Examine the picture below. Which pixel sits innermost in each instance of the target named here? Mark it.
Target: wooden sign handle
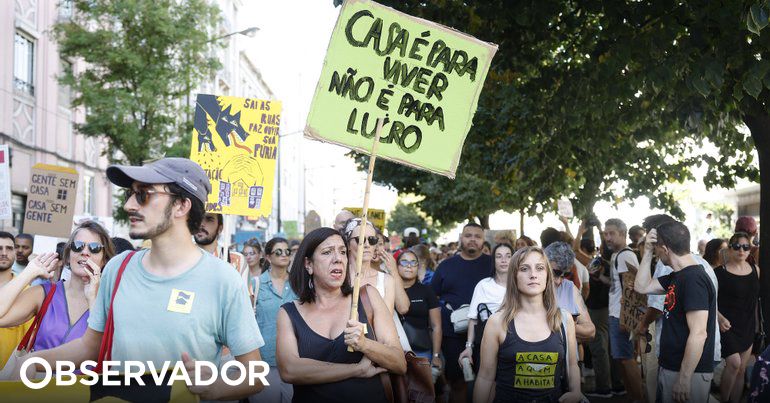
(361, 236)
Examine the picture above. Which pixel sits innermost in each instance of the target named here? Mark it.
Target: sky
(289, 50)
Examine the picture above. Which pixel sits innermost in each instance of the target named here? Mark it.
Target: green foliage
(602, 101)
(143, 58)
(405, 215)
(722, 218)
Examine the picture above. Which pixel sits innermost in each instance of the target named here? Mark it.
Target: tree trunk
(484, 220)
(759, 124)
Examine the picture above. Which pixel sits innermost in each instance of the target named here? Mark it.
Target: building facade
(38, 122)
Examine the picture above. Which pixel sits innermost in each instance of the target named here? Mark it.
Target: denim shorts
(621, 347)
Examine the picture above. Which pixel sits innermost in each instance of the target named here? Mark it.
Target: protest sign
(376, 216)
(235, 140)
(51, 201)
(422, 78)
(5, 183)
(565, 208)
(633, 304)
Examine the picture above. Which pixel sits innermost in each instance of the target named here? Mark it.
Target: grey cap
(181, 171)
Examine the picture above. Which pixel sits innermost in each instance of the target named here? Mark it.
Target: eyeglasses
(408, 263)
(281, 252)
(94, 247)
(738, 246)
(373, 240)
(250, 254)
(143, 195)
(559, 273)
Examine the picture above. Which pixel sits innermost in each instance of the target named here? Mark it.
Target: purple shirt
(55, 327)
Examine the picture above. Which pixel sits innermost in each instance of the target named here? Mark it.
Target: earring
(310, 282)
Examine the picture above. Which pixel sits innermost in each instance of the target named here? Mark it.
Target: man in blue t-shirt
(454, 282)
(174, 302)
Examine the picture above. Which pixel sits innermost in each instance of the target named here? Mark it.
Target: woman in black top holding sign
(315, 332)
(737, 302)
(422, 323)
(525, 343)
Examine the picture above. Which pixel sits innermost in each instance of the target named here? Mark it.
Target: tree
(405, 215)
(143, 58)
(641, 87)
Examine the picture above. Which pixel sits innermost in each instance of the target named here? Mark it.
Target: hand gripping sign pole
(362, 236)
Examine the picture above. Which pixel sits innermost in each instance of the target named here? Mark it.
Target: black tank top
(314, 346)
(530, 371)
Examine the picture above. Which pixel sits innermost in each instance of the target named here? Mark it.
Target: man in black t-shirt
(687, 340)
(453, 283)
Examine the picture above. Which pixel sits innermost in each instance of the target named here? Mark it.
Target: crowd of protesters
(499, 319)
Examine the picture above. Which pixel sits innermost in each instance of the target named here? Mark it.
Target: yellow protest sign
(235, 140)
(374, 216)
(423, 78)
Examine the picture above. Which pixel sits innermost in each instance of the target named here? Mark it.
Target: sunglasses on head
(281, 252)
(373, 240)
(94, 247)
(143, 195)
(738, 246)
(408, 263)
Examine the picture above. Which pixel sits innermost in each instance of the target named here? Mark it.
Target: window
(64, 90)
(18, 203)
(24, 64)
(65, 9)
(88, 195)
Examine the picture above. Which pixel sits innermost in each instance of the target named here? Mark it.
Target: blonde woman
(524, 349)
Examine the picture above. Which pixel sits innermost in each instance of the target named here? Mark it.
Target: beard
(159, 229)
(203, 240)
(4, 268)
(472, 250)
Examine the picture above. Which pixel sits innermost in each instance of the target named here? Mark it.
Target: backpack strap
(28, 341)
(387, 385)
(105, 350)
(616, 264)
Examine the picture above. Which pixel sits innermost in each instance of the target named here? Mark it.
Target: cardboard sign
(565, 208)
(423, 78)
(374, 216)
(6, 211)
(235, 140)
(633, 304)
(51, 201)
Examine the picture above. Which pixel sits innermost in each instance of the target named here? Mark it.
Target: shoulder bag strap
(105, 350)
(28, 341)
(367, 305)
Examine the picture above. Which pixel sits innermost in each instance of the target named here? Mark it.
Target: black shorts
(452, 347)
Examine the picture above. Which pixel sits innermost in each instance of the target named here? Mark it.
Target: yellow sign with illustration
(235, 140)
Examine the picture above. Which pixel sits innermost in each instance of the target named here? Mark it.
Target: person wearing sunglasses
(86, 252)
(378, 276)
(562, 258)
(737, 301)
(174, 303)
(422, 322)
(274, 291)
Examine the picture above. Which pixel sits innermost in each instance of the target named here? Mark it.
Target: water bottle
(468, 370)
